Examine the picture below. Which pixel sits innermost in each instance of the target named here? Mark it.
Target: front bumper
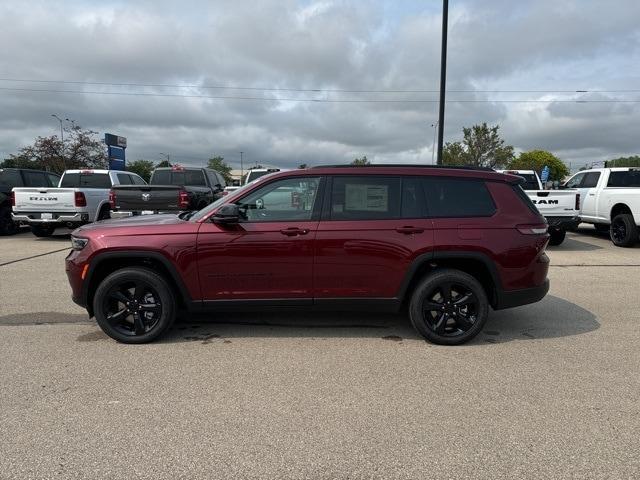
(36, 218)
(563, 222)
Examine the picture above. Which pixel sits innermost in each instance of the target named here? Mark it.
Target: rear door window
(630, 178)
(453, 197)
(365, 198)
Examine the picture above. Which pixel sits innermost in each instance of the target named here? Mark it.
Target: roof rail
(410, 165)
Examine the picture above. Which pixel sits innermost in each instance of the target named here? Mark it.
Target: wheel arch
(100, 207)
(106, 263)
(619, 208)
(476, 264)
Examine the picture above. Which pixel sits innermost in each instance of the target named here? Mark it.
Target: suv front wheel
(134, 305)
(448, 307)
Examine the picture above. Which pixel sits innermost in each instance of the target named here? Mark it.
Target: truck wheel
(7, 225)
(448, 307)
(624, 232)
(134, 305)
(105, 213)
(557, 236)
(42, 231)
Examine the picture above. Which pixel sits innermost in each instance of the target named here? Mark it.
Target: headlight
(78, 243)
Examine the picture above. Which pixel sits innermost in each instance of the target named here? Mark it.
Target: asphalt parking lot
(547, 390)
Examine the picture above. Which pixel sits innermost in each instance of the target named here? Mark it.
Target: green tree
(633, 161)
(219, 165)
(361, 162)
(302, 166)
(536, 160)
(481, 146)
(144, 168)
(163, 164)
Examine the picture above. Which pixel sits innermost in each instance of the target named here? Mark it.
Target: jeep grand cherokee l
(444, 243)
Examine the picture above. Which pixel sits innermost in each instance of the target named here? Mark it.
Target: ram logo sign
(546, 202)
(145, 197)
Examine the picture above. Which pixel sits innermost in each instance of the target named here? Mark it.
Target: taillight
(80, 199)
(183, 199)
(536, 229)
(12, 196)
(577, 201)
(112, 199)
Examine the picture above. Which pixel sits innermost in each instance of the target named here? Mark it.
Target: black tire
(556, 236)
(448, 307)
(601, 227)
(42, 230)
(7, 225)
(624, 231)
(121, 298)
(105, 213)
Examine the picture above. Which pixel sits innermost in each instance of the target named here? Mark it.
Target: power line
(303, 90)
(312, 100)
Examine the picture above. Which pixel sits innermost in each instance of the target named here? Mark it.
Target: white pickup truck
(611, 201)
(82, 196)
(561, 208)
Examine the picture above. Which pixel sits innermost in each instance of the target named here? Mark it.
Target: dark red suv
(446, 243)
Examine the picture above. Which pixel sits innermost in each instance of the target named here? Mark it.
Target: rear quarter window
(452, 197)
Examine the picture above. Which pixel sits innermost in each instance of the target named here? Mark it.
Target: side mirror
(227, 214)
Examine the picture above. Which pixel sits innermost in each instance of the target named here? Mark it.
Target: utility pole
(64, 162)
(443, 76)
(241, 168)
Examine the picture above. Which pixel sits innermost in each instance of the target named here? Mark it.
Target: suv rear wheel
(448, 307)
(134, 305)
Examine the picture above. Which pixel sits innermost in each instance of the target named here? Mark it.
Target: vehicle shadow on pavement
(553, 317)
(290, 324)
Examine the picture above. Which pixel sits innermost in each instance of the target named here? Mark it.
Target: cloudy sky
(290, 82)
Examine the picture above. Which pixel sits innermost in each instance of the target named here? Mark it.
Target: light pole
(241, 167)
(443, 76)
(433, 150)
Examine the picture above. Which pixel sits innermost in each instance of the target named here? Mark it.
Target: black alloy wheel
(624, 231)
(449, 307)
(132, 308)
(134, 305)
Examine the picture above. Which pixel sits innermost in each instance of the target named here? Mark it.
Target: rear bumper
(36, 218)
(563, 222)
(516, 298)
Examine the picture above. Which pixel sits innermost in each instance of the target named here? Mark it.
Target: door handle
(592, 194)
(293, 231)
(409, 230)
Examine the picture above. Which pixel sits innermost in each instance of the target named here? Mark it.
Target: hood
(136, 221)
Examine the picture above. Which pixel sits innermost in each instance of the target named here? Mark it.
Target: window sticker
(373, 198)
